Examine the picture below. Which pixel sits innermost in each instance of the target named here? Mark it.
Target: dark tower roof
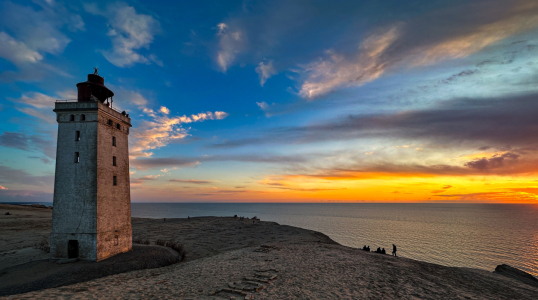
(94, 86)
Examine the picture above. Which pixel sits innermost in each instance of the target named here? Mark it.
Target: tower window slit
(114, 180)
(72, 118)
(109, 122)
(114, 141)
(118, 126)
(114, 161)
(77, 157)
(77, 136)
(83, 117)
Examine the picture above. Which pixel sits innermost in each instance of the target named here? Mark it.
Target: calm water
(464, 235)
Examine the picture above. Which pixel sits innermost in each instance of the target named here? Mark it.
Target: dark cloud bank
(499, 122)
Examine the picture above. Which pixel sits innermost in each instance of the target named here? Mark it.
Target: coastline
(221, 251)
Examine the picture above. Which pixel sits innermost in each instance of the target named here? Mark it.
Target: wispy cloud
(20, 177)
(26, 142)
(163, 129)
(265, 71)
(129, 32)
(40, 104)
(27, 35)
(263, 105)
(324, 76)
(150, 163)
(414, 44)
(231, 43)
(193, 181)
(170, 162)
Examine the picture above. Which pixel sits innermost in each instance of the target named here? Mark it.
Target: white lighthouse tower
(91, 219)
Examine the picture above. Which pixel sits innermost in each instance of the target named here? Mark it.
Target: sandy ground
(227, 257)
(20, 231)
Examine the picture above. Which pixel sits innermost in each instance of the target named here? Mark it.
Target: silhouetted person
(394, 250)
(368, 248)
(383, 251)
(364, 248)
(378, 250)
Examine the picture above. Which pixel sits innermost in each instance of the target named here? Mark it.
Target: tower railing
(76, 100)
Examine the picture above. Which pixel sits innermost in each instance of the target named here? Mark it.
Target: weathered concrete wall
(87, 206)
(114, 232)
(75, 185)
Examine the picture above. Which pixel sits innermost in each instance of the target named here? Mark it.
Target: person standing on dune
(394, 250)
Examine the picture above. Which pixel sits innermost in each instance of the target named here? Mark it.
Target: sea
(480, 236)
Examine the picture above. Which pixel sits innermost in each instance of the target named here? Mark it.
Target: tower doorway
(72, 249)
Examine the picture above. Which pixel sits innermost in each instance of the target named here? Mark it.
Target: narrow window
(118, 126)
(109, 122)
(83, 117)
(114, 141)
(116, 240)
(77, 136)
(72, 118)
(114, 161)
(77, 157)
(114, 180)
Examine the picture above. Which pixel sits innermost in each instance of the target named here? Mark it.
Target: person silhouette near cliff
(394, 250)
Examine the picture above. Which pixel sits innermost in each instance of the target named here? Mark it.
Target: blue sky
(283, 100)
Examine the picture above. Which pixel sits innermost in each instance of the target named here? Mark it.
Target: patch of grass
(177, 247)
(43, 245)
(141, 241)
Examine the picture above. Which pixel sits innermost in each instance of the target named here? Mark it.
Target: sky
(284, 101)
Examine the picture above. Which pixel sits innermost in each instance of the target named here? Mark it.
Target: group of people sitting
(379, 250)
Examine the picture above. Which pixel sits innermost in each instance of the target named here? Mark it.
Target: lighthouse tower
(91, 219)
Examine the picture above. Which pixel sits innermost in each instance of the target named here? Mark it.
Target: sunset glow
(286, 101)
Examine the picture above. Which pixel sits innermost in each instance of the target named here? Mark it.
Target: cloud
(231, 43)
(423, 41)
(41, 104)
(163, 129)
(9, 195)
(28, 34)
(17, 52)
(129, 98)
(191, 181)
(28, 143)
(459, 75)
(16, 176)
(150, 163)
(36, 31)
(129, 32)
(140, 180)
(504, 197)
(3, 188)
(265, 71)
(263, 105)
(324, 76)
(442, 190)
(37, 100)
(496, 161)
(169, 162)
(164, 110)
(492, 121)
(14, 140)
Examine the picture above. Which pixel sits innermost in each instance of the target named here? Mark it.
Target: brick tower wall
(114, 232)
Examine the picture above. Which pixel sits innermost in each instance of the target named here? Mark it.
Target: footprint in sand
(246, 288)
